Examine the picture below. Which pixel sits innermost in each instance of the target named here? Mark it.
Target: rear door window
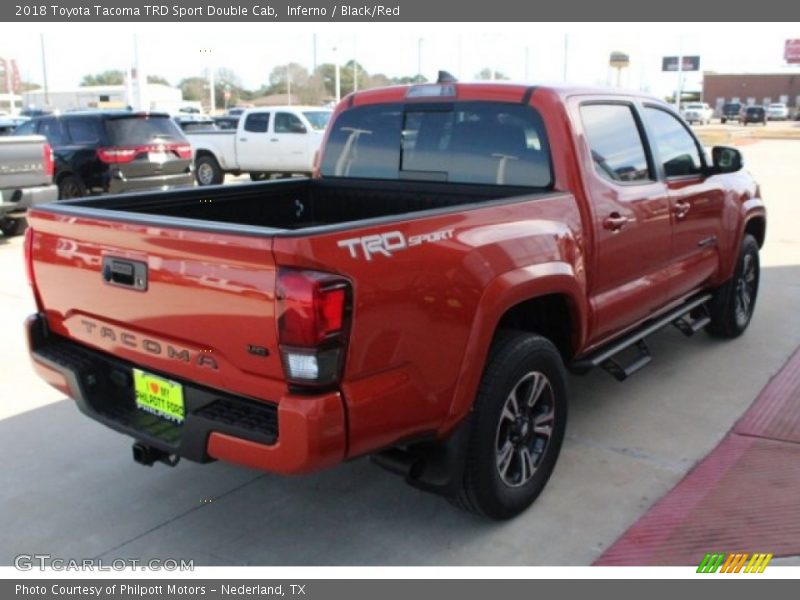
(84, 131)
(142, 130)
(465, 142)
(257, 122)
(53, 130)
(615, 142)
(27, 128)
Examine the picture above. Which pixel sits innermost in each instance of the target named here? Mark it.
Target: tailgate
(190, 304)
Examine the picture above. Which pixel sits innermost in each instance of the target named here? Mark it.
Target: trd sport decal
(390, 242)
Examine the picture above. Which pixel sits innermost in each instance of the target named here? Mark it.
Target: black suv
(114, 151)
(754, 114)
(731, 111)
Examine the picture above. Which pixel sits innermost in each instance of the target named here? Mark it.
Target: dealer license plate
(159, 396)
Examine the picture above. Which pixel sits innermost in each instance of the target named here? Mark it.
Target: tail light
(28, 247)
(117, 155)
(125, 154)
(49, 167)
(314, 311)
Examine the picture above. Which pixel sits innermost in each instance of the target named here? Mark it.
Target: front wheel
(518, 424)
(731, 306)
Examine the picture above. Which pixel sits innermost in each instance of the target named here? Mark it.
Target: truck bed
(291, 205)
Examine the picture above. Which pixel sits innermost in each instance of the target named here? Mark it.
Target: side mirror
(726, 159)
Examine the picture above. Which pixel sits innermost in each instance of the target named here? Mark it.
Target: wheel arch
(547, 299)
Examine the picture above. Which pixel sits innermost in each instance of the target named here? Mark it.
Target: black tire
(13, 226)
(70, 186)
(500, 481)
(207, 171)
(731, 307)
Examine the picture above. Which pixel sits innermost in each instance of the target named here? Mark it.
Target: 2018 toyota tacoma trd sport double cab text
(419, 300)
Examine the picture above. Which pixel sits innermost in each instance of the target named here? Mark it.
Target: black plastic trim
(102, 387)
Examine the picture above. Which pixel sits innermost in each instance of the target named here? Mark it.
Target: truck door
(291, 143)
(697, 201)
(631, 220)
(254, 150)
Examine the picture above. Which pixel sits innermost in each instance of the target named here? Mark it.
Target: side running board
(622, 358)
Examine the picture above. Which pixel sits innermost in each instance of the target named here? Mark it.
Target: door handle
(274, 140)
(681, 209)
(242, 139)
(615, 221)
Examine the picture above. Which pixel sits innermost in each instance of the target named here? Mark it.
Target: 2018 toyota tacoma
(420, 300)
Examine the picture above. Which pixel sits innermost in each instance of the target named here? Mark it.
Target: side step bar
(689, 318)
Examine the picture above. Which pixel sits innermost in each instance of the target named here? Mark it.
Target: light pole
(338, 75)
(288, 85)
(419, 59)
(44, 72)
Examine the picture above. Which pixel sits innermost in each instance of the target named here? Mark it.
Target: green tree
(194, 88)
(112, 77)
(486, 74)
(157, 79)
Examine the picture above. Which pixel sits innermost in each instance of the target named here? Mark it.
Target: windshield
(318, 119)
(732, 107)
(694, 106)
(464, 142)
(776, 105)
(140, 130)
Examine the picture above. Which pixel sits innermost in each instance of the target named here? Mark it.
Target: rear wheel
(208, 171)
(70, 186)
(518, 425)
(13, 226)
(731, 307)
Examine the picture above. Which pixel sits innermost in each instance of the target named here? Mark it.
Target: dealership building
(752, 88)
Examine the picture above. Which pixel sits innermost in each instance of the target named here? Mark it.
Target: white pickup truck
(272, 140)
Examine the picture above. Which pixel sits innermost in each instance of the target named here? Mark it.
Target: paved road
(70, 488)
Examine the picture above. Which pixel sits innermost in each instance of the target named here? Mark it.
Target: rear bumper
(298, 434)
(118, 183)
(14, 202)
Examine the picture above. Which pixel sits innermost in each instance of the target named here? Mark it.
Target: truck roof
(491, 90)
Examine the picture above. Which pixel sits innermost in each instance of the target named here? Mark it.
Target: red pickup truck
(420, 300)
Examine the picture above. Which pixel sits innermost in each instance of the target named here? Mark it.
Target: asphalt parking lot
(70, 488)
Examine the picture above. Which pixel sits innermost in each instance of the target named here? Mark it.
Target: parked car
(114, 151)
(698, 112)
(731, 111)
(276, 140)
(9, 124)
(26, 179)
(419, 300)
(754, 114)
(777, 111)
(226, 122)
(195, 123)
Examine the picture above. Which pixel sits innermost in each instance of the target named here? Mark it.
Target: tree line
(307, 87)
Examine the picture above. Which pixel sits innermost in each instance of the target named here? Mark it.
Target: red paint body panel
(423, 319)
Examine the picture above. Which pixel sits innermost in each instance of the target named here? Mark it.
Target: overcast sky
(523, 51)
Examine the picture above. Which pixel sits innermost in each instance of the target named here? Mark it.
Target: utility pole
(566, 54)
(527, 63)
(314, 53)
(338, 75)
(44, 72)
(288, 85)
(419, 59)
(355, 67)
(679, 92)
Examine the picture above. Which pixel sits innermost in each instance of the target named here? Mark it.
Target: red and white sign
(791, 52)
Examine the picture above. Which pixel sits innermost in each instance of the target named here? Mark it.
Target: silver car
(777, 111)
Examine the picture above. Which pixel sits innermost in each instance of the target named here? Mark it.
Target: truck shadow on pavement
(72, 490)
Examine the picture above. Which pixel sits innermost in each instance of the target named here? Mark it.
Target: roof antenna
(445, 77)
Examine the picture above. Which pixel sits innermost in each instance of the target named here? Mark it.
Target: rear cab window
(257, 122)
(464, 142)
